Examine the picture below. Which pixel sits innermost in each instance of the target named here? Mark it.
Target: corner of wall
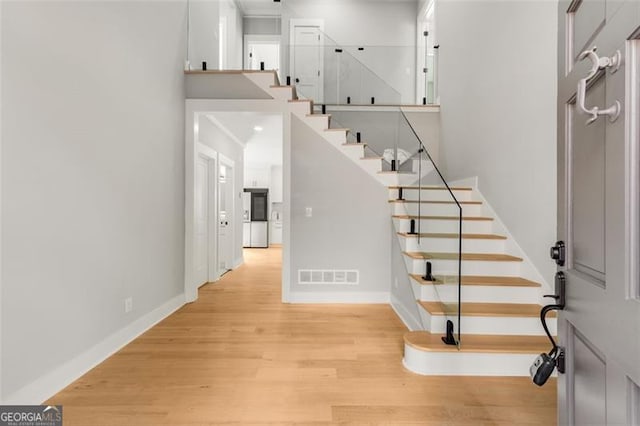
(56, 380)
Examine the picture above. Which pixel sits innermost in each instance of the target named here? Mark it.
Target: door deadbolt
(558, 253)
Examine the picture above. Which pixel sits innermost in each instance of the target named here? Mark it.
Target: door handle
(558, 253)
(297, 80)
(598, 63)
(560, 283)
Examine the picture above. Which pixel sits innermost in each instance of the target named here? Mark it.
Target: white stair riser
(318, 122)
(467, 363)
(388, 179)
(372, 166)
(432, 194)
(300, 109)
(446, 226)
(470, 293)
(525, 326)
(354, 152)
(335, 137)
(263, 80)
(469, 267)
(281, 93)
(448, 245)
(433, 209)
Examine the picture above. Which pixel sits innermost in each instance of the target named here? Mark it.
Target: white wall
(498, 111)
(92, 178)
(212, 136)
(387, 28)
(349, 227)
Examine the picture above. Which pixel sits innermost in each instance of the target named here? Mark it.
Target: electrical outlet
(128, 305)
(309, 212)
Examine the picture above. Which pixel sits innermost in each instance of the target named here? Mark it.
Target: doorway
(306, 58)
(262, 49)
(226, 215)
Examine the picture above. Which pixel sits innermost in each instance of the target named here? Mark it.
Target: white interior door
(598, 220)
(202, 234)
(226, 216)
(307, 61)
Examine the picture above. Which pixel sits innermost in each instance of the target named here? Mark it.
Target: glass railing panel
(388, 134)
(332, 74)
(438, 216)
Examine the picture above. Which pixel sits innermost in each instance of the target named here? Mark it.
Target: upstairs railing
(343, 78)
(348, 74)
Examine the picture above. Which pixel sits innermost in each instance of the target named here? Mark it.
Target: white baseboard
(339, 297)
(53, 382)
(238, 262)
(412, 323)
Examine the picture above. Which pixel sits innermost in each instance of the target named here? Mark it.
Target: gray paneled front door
(598, 214)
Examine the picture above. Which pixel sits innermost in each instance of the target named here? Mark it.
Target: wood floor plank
(239, 356)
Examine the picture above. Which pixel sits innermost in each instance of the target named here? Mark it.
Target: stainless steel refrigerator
(255, 228)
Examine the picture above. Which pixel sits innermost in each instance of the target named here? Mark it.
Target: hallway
(239, 356)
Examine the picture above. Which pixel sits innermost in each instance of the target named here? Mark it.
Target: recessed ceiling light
(258, 129)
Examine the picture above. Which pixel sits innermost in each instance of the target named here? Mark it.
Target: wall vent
(328, 276)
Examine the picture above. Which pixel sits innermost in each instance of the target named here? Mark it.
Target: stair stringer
(527, 269)
(337, 138)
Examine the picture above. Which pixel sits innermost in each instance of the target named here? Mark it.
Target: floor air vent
(325, 276)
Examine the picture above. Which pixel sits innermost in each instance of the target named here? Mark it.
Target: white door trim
(195, 108)
(293, 23)
(193, 150)
(226, 161)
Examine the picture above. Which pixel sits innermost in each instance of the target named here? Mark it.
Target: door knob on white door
(598, 63)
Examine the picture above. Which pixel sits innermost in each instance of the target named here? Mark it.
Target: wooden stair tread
(484, 309)
(433, 202)
(489, 257)
(470, 218)
(472, 280)
(464, 236)
(425, 341)
(436, 188)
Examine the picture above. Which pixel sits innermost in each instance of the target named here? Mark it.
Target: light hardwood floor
(239, 356)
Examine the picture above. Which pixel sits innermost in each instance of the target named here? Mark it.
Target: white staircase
(501, 330)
